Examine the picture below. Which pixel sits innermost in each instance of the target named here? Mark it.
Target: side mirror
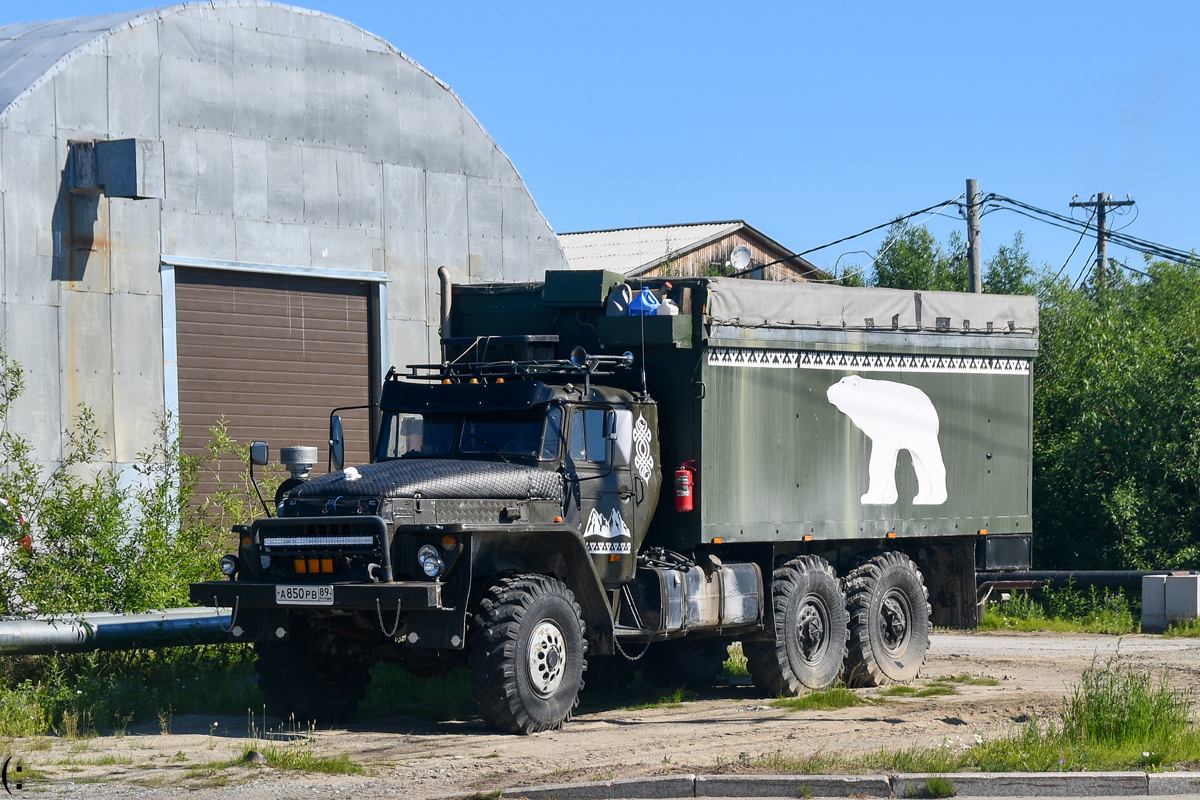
(337, 447)
(622, 437)
(259, 454)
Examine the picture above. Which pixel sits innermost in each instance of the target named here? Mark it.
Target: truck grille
(322, 534)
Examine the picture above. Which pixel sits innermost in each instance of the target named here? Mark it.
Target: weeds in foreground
(967, 680)
(666, 698)
(1116, 718)
(932, 690)
(735, 665)
(824, 700)
(938, 786)
(1063, 610)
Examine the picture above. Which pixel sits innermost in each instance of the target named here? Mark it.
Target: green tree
(1009, 271)
(1117, 421)
(910, 257)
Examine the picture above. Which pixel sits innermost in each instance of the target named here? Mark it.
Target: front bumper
(407, 595)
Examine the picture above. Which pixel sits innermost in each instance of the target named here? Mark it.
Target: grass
(664, 698)
(932, 690)
(1116, 718)
(735, 666)
(824, 700)
(967, 680)
(1188, 630)
(938, 786)
(1065, 610)
(302, 757)
(393, 691)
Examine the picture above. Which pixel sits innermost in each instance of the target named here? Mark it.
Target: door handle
(639, 487)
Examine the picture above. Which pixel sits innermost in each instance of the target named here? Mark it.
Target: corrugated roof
(29, 50)
(628, 250)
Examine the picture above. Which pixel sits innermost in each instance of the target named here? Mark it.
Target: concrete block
(134, 246)
(259, 47)
(179, 164)
(485, 228)
(358, 191)
(1182, 598)
(343, 248)
(285, 182)
(1161, 783)
(133, 90)
(320, 185)
(86, 361)
(268, 102)
(249, 178)
(662, 786)
(30, 171)
(35, 112)
(81, 94)
(384, 140)
(214, 172)
(272, 242)
(137, 364)
(412, 342)
(793, 786)
(199, 235)
(31, 340)
(1154, 603)
(1029, 784)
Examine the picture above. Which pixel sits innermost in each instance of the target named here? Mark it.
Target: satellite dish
(739, 259)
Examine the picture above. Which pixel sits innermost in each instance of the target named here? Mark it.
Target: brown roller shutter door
(272, 355)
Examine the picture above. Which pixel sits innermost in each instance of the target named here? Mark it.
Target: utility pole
(974, 274)
(1101, 202)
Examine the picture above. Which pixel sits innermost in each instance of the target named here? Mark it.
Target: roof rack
(581, 364)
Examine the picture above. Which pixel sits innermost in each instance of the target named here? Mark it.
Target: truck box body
(743, 384)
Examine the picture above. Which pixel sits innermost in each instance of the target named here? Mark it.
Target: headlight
(430, 561)
(229, 566)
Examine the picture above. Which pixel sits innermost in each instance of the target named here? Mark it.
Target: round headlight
(229, 566)
(430, 561)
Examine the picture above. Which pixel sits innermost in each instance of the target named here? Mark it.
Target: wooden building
(700, 248)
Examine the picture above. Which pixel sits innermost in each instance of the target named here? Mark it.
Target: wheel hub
(895, 626)
(547, 658)
(811, 630)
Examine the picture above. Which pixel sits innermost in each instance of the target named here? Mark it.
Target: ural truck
(814, 471)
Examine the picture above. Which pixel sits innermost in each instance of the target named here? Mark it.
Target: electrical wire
(938, 206)
(1082, 233)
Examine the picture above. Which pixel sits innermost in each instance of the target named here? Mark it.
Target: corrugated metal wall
(272, 355)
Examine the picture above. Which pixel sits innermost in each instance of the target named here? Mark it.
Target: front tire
(304, 678)
(527, 657)
(811, 627)
(889, 621)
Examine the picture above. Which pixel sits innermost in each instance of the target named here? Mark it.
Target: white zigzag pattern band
(867, 362)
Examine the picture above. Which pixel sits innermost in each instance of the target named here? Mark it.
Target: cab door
(600, 498)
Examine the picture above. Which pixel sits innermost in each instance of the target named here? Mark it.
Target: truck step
(625, 631)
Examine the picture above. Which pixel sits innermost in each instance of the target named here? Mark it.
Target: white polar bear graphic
(895, 417)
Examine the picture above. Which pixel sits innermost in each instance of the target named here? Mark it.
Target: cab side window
(587, 436)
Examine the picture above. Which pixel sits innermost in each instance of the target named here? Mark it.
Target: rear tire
(889, 621)
(527, 656)
(692, 663)
(811, 628)
(303, 679)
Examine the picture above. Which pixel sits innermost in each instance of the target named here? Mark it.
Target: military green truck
(815, 471)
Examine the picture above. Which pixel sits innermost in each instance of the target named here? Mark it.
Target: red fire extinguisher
(684, 481)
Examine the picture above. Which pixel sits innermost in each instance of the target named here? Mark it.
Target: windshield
(414, 436)
(406, 435)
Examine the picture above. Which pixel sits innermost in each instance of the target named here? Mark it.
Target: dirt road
(417, 759)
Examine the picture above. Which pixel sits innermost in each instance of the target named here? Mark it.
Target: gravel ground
(413, 758)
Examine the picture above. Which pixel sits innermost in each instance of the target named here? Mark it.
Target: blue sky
(814, 121)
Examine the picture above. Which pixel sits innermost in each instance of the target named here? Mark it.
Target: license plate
(304, 595)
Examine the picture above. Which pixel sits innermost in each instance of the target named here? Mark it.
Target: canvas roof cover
(774, 304)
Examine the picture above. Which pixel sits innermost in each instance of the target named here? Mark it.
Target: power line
(938, 206)
(1082, 233)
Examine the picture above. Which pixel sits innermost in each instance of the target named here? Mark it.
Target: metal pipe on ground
(171, 627)
(1101, 578)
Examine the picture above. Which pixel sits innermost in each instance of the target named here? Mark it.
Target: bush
(75, 539)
